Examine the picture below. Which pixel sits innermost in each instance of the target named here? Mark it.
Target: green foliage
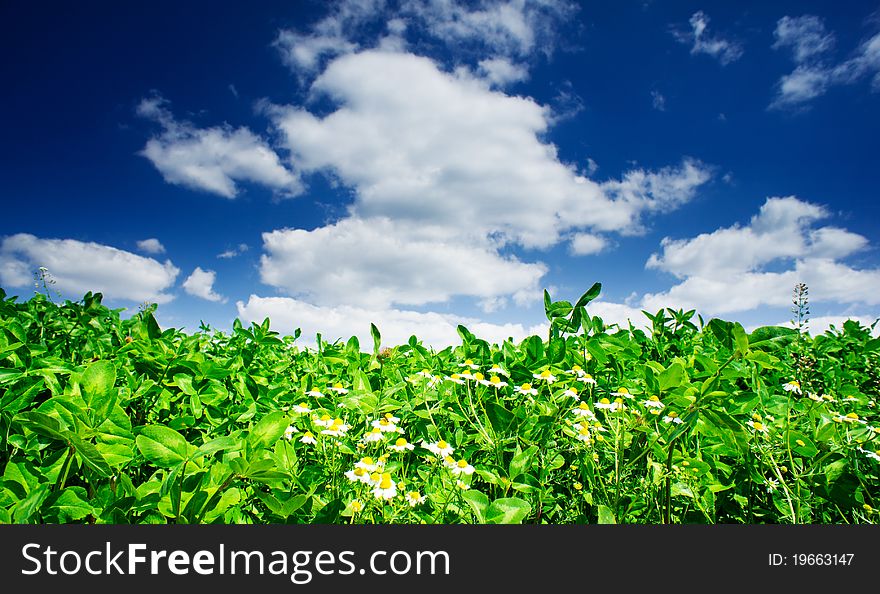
(111, 420)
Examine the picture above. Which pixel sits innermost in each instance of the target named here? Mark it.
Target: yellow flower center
(758, 426)
(672, 414)
(359, 471)
(585, 430)
(469, 362)
(414, 495)
(337, 421)
(576, 368)
(400, 442)
(654, 399)
(604, 401)
(442, 444)
(545, 373)
(337, 385)
(526, 386)
(462, 464)
(479, 376)
(853, 416)
(583, 406)
(309, 434)
(376, 477)
(367, 461)
(495, 379)
(375, 430)
(356, 506)
(449, 460)
(384, 422)
(325, 418)
(386, 481)
(572, 390)
(622, 391)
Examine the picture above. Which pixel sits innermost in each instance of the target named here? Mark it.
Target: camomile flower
(302, 408)
(587, 379)
(654, 404)
(622, 392)
(758, 426)
(356, 507)
(455, 378)
(358, 475)
(401, 445)
(368, 464)
(672, 417)
(772, 484)
(414, 498)
(526, 389)
(338, 389)
(323, 421)
(288, 433)
(494, 382)
(470, 364)
(462, 467)
(425, 373)
(604, 404)
(386, 489)
(315, 394)
(615, 406)
(849, 418)
(462, 485)
(792, 386)
(386, 425)
(583, 410)
(373, 435)
(873, 455)
(466, 374)
(308, 437)
(815, 397)
(449, 462)
(583, 434)
(336, 429)
(545, 376)
(496, 369)
(479, 377)
(439, 448)
(576, 370)
(828, 398)
(572, 391)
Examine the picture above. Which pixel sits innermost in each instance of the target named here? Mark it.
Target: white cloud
(213, 159)
(701, 42)
(658, 101)
(810, 43)
(501, 72)
(395, 325)
(584, 244)
(151, 246)
(201, 284)
(448, 176)
(727, 270)
(79, 267)
(233, 252)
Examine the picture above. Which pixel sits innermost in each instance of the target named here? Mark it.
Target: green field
(110, 420)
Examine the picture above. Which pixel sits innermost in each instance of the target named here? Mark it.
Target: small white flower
(315, 394)
(494, 382)
(587, 379)
(302, 408)
(672, 417)
(336, 429)
(758, 426)
(849, 418)
(323, 421)
(572, 392)
(369, 465)
(576, 370)
(401, 445)
(792, 386)
(373, 435)
(584, 434)
(288, 433)
(583, 410)
(615, 406)
(545, 376)
(654, 402)
(772, 485)
(622, 392)
(439, 448)
(526, 389)
(425, 373)
(467, 375)
(338, 389)
(873, 455)
(462, 485)
(308, 437)
(498, 370)
(815, 397)
(470, 364)
(385, 425)
(462, 467)
(455, 378)
(413, 498)
(358, 475)
(386, 489)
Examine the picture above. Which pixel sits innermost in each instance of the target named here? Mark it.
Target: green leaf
(268, 430)
(509, 510)
(802, 444)
(97, 388)
(606, 516)
(377, 338)
(43, 424)
(591, 294)
(522, 461)
(29, 505)
(69, 505)
(161, 446)
(672, 377)
(556, 350)
(479, 503)
(90, 455)
(740, 338)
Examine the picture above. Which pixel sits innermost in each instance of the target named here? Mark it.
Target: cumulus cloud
(213, 159)
(233, 252)
(728, 270)
(702, 42)
(584, 244)
(395, 325)
(79, 267)
(201, 284)
(810, 44)
(151, 246)
(501, 72)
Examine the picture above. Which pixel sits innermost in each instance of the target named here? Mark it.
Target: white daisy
(386, 489)
(338, 389)
(545, 376)
(401, 445)
(462, 467)
(526, 389)
(288, 433)
(302, 408)
(439, 448)
(413, 498)
(308, 437)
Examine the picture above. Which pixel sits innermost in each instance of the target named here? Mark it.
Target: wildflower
(815, 397)
(545, 376)
(414, 498)
(792, 386)
(772, 485)
(288, 433)
(672, 417)
(455, 378)
(368, 464)
(302, 408)
(401, 445)
(462, 467)
(386, 489)
(356, 507)
(386, 425)
(336, 429)
(654, 404)
(462, 485)
(571, 392)
(449, 462)
(470, 364)
(323, 421)
(440, 448)
(358, 475)
(308, 437)
(479, 377)
(338, 389)
(576, 370)
(526, 389)
(587, 379)
(584, 434)
(583, 410)
(849, 418)
(498, 370)
(758, 426)
(494, 382)
(425, 373)
(467, 375)
(577, 486)
(622, 392)
(870, 454)
(315, 394)
(373, 435)
(605, 404)
(828, 398)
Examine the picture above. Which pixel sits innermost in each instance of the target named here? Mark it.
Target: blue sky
(420, 164)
